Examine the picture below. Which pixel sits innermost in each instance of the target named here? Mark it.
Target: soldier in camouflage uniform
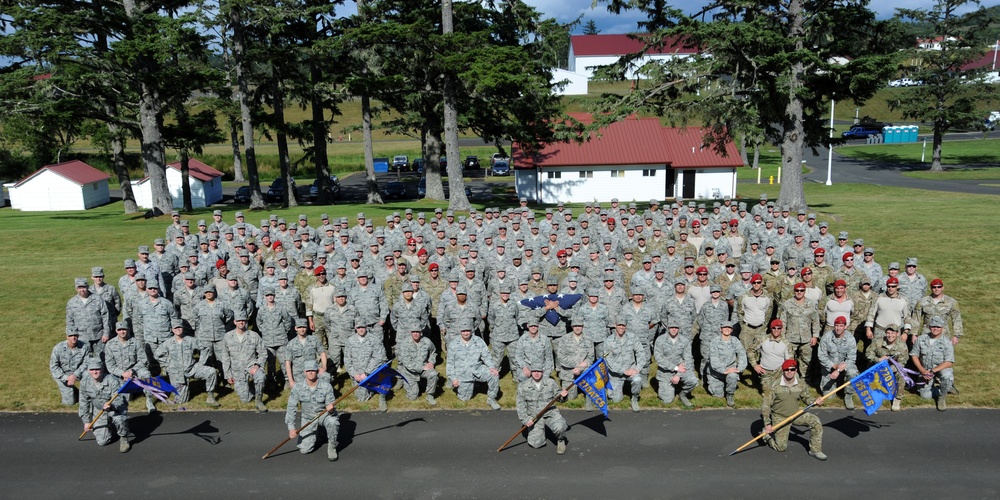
(503, 320)
(532, 349)
(727, 359)
(941, 305)
(96, 393)
(301, 349)
(838, 360)
(315, 398)
(626, 359)
(339, 318)
(363, 354)
(88, 314)
(108, 292)
(274, 323)
(416, 356)
(67, 364)
(574, 354)
(802, 326)
(156, 314)
(767, 357)
(674, 365)
(176, 356)
(533, 395)
(208, 321)
(470, 361)
(243, 359)
(934, 357)
(781, 400)
(890, 347)
(126, 358)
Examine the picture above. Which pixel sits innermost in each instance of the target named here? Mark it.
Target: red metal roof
(198, 170)
(616, 45)
(634, 141)
(987, 60)
(75, 171)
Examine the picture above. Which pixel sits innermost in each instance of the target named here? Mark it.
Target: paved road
(449, 454)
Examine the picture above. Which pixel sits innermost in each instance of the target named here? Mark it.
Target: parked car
(904, 82)
(394, 190)
(400, 163)
(242, 195)
(334, 185)
(861, 132)
(422, 188)
(418, 165)
(500, 168)
(277, 190)
(498, 157)
(471, 163)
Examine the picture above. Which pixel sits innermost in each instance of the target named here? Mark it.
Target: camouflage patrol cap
(340, 291)
(911, 261)
(407, 287)
(577, 320)
(129, 263)
(97, 272)
(78, 282)
(301, 323)
(461, 290)
(73, 333)
(680, 281)
(310, 366)
(174, 323)
(94, 363)
(894, 265)
(936, 322)
(714, 288)
(209, 289)
(189, 275)
(465, 325)
(239, 316)
(726, 324)
(892, 326)
(552, 280)
(531, 322)
(123, 325)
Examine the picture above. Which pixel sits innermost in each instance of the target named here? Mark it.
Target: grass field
(44, 252)
(973, 153)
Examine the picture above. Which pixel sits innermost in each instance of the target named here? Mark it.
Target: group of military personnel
(721, 295)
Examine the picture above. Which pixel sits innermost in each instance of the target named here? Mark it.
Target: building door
(687, 184)
(668, 189)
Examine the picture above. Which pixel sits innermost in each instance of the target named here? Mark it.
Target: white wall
(576, 83)
(48, 191)
(96, 194)
(202, 194)
(584, 64)
(706, 181)
(571, 187)
(175, 185)
(143, 193)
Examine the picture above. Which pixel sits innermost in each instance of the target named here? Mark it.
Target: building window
(617, 173)
(586, 174)
(649, 173)
(554, 175)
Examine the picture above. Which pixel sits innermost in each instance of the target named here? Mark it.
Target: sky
(568, 10)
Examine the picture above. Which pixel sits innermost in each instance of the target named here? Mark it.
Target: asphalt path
(919, 453)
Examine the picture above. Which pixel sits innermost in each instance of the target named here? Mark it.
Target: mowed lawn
(42, 253)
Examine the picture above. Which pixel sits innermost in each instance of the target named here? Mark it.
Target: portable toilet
(381, 165)
(891, 135)
(912, 135)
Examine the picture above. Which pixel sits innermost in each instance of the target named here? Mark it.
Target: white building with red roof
(588, 51)
(636, 159)
(70, 185)
(205, 181)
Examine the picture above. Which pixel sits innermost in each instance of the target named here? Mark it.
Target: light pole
(829, 160)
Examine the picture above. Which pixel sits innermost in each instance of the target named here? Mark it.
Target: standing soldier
(87, 314)
(503, 320)
(802, 328)
(243, 359)
(339, 319)
(941, 305)
(417, 355)
(96, 393)
(67, 364)
(318, 299)
(625, 358)
(314, 398)
(889, 347)
(767, 358)
(754, 309)
(371, 306)
(838, 360)
(156, 313)
(533, 349)
(574, 354)
(274, 323)
(674, 365)
(126, 358)
(470, 361)
(934, 357)
(301, 349)
(727, 359)
(176, 356)
(208, 321)
(890, 307)
(109, 293)
(781, 400)
(533, 395)
(362, 355)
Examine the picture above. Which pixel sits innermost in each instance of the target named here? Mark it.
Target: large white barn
(205, 181)
(635, 159)
(71, 185)
(588, 51)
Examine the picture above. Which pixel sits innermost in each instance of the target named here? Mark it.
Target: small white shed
(206, 186)
(71, 185)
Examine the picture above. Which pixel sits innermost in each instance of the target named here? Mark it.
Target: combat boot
(210, 401)
(730, 402)
(493, 403)
(942, 403)
(431, 401)
(588, 405)
(685, 401)
(818, 455)
(895, 405)
(849, 402)
(124, 445)
(259, 404)
(381, 403)
(331, 452)
(635, 404)
(561, 447)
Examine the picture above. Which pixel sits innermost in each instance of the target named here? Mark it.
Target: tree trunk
(234, 139)
(371, 181)
(284, 162)
(256, 199)
(118, 161)
(319, 132)
(936, 149)
(430, 143)
(756, 156)
(793, 133)
(152, 148)
(456, 185)
(186, 179)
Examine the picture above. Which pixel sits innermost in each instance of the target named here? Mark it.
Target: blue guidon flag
(594, 383)
(875, 385)
(565, 300)
(154, 385)
(382, 379)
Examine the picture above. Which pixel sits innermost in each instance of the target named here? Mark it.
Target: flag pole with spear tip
(789, 419)
(536, 417)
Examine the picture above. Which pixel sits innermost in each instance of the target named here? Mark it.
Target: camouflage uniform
(209, 322)
(834, 351)
(65, 362)
(93, 395)
(802, 324)
(177, 359)
(238, 356)
(571, 353)
(503, 320)
(363, 355)
(298, 351)
(314, 401)
(413, 358)
(932, 352)
(670, 353)
(782, 401)
(725, 354)
(128, 355)
(533, 350)
(91, 318)
(469, 362)
(532, 397)
(339, 327)
(623, 353)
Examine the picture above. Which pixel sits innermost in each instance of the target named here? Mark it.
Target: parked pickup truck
(498, 157)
